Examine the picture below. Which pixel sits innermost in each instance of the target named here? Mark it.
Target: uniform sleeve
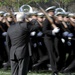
(45, 27)
(34, 27)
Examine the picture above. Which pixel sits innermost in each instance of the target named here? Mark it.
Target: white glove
(63, 40)
(33, 33)
(55, 30)
(65, 34)
(39, 34)
(69, 38)
(4, 33)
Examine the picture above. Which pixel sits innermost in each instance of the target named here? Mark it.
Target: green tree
(63, 3)
(17, 3)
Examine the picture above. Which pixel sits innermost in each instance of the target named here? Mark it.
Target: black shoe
(35, 65)
(54, 73)
(6, 66)
(66, 70)
(49, 67)
(61, 71)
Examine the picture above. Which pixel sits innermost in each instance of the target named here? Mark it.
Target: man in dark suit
(17, 43)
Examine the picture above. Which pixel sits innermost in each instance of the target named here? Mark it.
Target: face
(66, 19)
(34, 17)
(60, 18)
(29, 18)
(4, 20)
(9, 18)
(40, 19)
(1, 17)
(51, 13)
(72, 19)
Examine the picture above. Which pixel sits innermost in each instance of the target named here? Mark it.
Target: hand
(65, 34)
(69, 43)
(70, 35)
(39, 34)
(4, 33)
(63, 40)
(55, 30)
(33, 33)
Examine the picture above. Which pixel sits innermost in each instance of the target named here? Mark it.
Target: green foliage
(0, 4)
(30, 73)
(18, 3)
(66, 1)
(63, 1)
(21, 2)
(46, 0)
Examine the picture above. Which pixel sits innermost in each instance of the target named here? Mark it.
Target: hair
(20, 16)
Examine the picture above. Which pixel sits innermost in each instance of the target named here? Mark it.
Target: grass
(2, 72)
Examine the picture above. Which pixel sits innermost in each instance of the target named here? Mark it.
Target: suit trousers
(20, 67)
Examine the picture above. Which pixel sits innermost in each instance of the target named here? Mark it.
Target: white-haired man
(17, 42)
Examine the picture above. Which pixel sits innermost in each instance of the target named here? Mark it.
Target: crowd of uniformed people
(51, 46)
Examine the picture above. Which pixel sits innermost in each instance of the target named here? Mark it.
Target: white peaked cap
(34, 12)
(6, 14)
(71, 14)
(59, 13)
(15, 13)
(20, 16)
(2, 12)
(40, 14)
(50, 8)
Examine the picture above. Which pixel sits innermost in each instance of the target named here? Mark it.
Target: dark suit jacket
(17, 39)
